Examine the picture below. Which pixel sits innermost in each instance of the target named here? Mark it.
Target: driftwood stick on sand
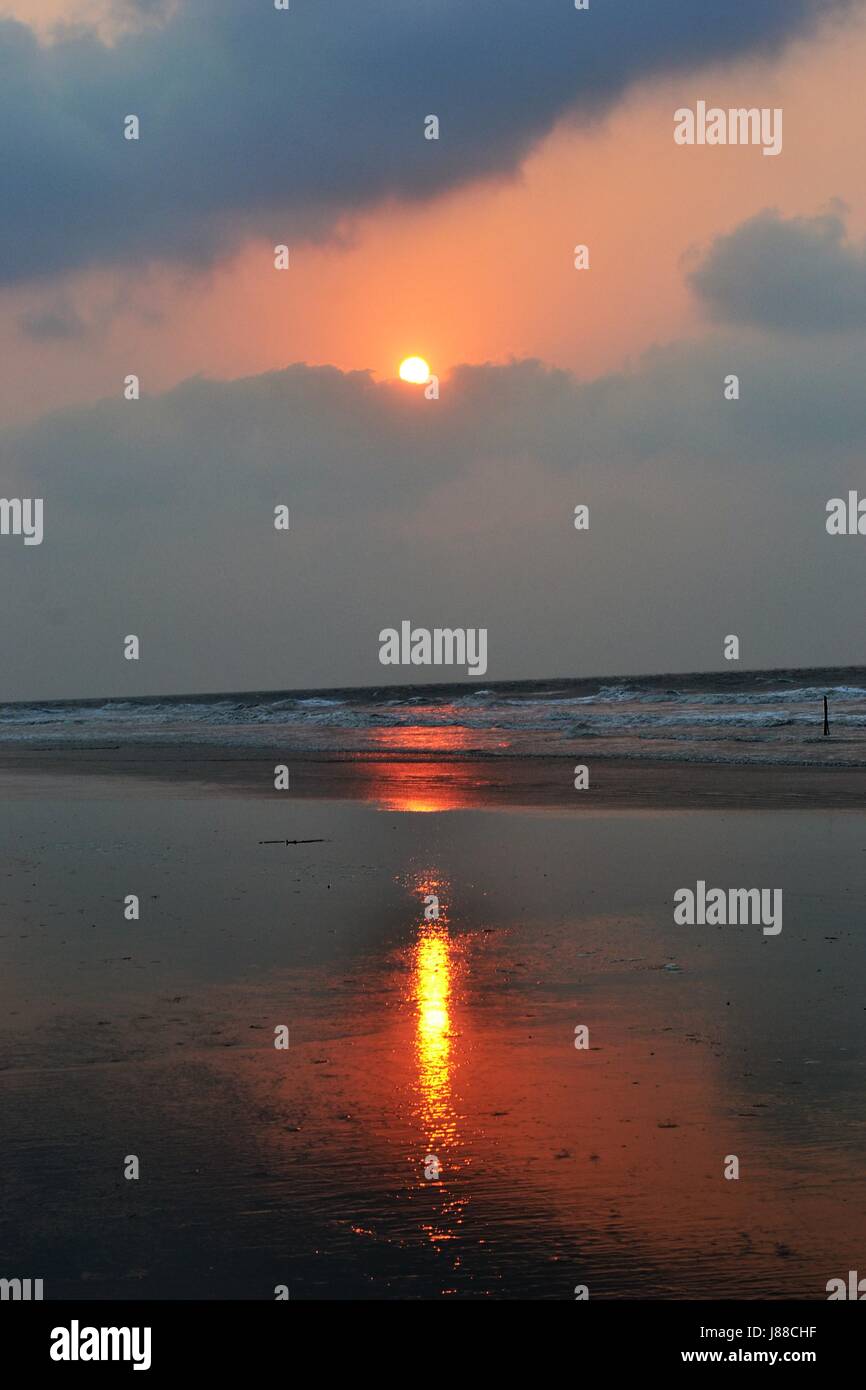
(293, 842)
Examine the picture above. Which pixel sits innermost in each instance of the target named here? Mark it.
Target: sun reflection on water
(433, 1034)
(434, 969)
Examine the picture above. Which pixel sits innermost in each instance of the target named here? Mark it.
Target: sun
(414, 369)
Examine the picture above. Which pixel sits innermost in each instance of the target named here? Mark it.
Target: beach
(433, 715)
(414, 1037)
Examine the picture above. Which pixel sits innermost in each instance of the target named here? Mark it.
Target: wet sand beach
(431, 781)
(411, 1038)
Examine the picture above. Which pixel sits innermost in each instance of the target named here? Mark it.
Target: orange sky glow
(482, 274)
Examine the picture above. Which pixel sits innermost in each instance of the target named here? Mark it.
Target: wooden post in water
(826, 719)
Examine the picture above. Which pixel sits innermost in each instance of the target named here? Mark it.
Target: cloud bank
(707, 517)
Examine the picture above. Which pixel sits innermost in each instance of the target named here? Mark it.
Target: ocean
(760, 717)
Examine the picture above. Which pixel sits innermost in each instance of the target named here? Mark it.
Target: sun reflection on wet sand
(428, 785)
(434, 971)
(433, 1039)
(422, 787)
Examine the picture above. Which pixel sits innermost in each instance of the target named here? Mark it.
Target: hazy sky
(558, 386)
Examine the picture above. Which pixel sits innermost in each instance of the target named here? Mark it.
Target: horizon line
(433, 685)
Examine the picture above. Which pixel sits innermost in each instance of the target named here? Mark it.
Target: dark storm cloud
(286, 121)
(797, 274)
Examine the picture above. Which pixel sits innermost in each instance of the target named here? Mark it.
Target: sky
(557, 386)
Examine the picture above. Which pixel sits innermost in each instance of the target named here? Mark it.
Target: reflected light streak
(433, 977)
(430, 785)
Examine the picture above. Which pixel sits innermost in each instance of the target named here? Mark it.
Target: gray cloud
(54, 316)
(707, 517)
(797, 274)
(58, 320)
(286, 121)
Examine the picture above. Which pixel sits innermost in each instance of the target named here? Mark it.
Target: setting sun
(414, 369)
